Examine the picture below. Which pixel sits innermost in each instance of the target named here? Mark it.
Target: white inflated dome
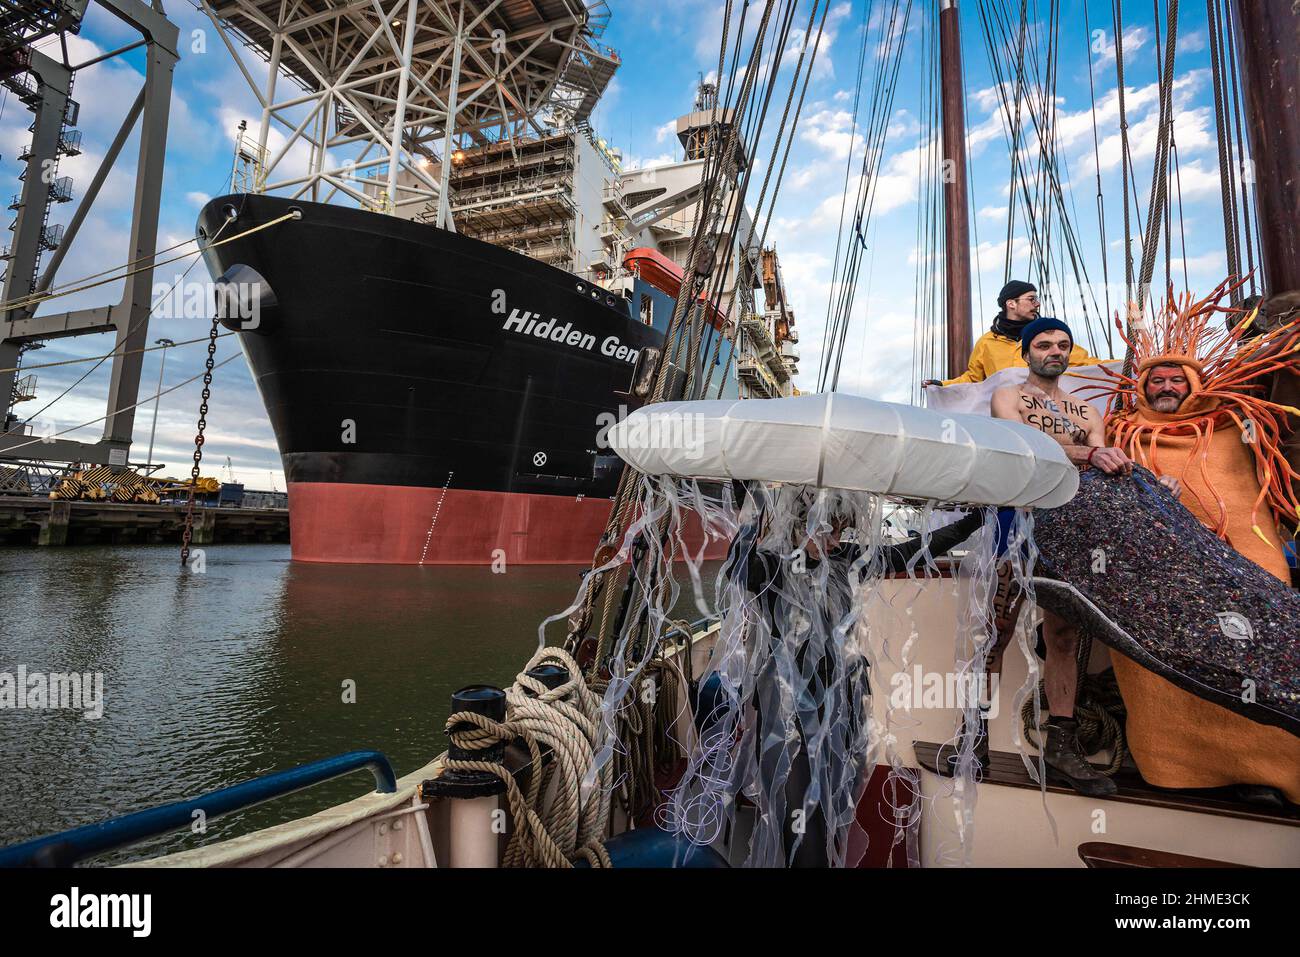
(850, 442)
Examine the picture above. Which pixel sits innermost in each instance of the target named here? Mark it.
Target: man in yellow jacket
(999, 348)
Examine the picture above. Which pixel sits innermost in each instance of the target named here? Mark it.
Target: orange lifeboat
(666, 276)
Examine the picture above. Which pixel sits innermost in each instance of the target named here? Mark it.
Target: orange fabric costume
(1177, 739)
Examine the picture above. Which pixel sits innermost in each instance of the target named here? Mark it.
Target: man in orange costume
(1222, 446)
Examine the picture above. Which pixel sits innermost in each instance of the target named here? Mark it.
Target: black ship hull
(434, 398)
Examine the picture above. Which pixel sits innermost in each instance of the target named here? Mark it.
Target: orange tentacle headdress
(1222, 368)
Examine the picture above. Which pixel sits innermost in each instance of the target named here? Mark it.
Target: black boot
(946, 759)
(982, 741)
(1062, 754)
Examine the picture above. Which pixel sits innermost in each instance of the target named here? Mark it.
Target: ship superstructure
(660, 208)
(565, 198)
(769, 358)
(544, 196)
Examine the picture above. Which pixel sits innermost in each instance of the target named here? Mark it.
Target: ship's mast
(956, 221)
(1268, 36)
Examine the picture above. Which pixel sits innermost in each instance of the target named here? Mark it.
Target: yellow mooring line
(35, 299)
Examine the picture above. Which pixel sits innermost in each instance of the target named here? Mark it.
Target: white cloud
(902, 124)
(1193, 42)
(1194, 180)
(831, 131)
(638, 162)
(1135, 38)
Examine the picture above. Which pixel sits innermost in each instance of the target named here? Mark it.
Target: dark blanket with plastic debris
(1144, 576)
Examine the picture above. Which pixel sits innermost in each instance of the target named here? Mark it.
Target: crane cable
(125, 408)
(134, 324)
(37, 299)
(109, 355)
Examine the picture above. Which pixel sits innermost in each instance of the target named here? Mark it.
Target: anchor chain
(188, 534)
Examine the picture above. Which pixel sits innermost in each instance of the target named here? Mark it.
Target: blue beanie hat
(1038, 327)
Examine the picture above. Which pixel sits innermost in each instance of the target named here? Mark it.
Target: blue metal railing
(68, 847)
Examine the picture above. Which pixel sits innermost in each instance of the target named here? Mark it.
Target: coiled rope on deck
(565, 721)
(530, 844)
(1098, 710)
(645, 730)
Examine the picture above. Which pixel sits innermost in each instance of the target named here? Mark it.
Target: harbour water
(214, 678)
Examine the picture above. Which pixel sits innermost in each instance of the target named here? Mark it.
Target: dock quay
(30, 520)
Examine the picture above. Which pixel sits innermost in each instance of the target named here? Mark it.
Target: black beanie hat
(1038, 327)
(1014, 290)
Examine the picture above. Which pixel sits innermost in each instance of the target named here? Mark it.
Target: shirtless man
(1040, 402)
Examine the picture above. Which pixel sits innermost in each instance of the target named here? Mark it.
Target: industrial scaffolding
(391, 87)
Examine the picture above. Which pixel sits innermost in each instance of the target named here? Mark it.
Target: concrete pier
(54, 526)
(31, 520)
(204, 529)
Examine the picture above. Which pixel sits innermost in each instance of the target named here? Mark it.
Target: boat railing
(68, 847)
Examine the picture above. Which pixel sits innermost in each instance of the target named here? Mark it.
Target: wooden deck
(1007, 769)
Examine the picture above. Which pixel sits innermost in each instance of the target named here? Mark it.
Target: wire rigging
(846, 272)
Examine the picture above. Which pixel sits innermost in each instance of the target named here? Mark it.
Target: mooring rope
(564, 720)
(530, 843)
(109, 355)
(36, 299)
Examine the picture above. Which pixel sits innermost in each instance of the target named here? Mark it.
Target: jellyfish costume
(798, 495)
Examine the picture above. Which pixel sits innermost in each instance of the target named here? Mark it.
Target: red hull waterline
(406, 525)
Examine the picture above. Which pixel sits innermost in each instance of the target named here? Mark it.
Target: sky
(665, 48)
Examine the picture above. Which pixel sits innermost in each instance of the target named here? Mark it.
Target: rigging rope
(1223, 133)
(786, 130)
(1160, 172)
(1118, 10)
(889, 50)
(928, 281)
(736, 123)
(1231, 46)
(848, 163)
(1047, 191)
(1182, 230)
